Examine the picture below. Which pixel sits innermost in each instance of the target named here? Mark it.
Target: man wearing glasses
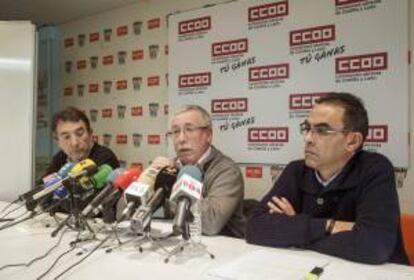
(223, 187)
(339, 200)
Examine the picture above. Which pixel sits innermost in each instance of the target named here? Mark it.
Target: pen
(315, 272)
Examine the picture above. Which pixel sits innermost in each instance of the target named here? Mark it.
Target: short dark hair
(355, 116)
(70, 114)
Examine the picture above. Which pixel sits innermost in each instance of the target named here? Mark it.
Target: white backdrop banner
(258, 66)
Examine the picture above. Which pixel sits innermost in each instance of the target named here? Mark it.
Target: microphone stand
(186, 240)
(79, 222)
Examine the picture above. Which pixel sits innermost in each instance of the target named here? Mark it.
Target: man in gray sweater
(223, 187)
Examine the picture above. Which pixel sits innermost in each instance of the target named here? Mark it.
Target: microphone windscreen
(190, 170)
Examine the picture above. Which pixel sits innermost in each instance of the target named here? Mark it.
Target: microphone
(185, 192)
(139, 192)
(97, 180)
(47, 180)
(142, 217)
(83, 168)
(116, 179)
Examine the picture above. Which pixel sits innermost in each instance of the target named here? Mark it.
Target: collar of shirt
(326, 182)
(200, 160)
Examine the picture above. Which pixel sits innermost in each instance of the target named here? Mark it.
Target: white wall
(255, 187)
(406, 193)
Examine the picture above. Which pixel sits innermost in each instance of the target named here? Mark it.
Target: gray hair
(204, 114)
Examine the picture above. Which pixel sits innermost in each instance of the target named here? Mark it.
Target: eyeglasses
(321, 130)
(66, 137)
(187, 130)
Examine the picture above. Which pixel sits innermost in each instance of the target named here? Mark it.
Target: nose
(74, 141)
(308, 137)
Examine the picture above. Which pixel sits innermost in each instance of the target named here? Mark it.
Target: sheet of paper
(267, 264)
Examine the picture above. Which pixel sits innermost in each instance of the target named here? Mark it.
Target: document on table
(267, 264)
(290, 265)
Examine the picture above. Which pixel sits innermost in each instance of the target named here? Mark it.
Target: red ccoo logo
(93, 88)
(194, 25)
(269, 72)
(122, 30)
(107, 113)
(121, 139)
(229, 47)
(137, 54)
(153, 81)
(121, 84)
(377, 134)
(81, 64)
(272, 10)
(69, 42)
(108, 60)
(154, 139)
(194, 80)
(154, 23)
(304, 101)
(230, 105)
(268, 134)
(361, 63)
(254, 172)
(312, 35)
(93, 37)
(136, 111)
(346, 2)
(68, 91)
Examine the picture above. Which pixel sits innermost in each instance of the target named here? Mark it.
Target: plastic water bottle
(195, 226)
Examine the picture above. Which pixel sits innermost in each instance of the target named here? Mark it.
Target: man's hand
(341, 226)
(161, 162)
(281, 206)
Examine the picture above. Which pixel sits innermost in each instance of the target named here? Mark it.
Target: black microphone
(163, 186)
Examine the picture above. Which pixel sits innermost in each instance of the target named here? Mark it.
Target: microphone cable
(9, 205)
(73, 247)
(32, 215)
(81, 260)
(29, 263)
(12, 210)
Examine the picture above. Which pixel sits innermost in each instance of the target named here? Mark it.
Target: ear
(354, 141)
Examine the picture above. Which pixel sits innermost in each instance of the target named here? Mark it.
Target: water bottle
(195, 226)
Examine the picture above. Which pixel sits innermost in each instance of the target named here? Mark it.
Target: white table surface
(31, 239)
